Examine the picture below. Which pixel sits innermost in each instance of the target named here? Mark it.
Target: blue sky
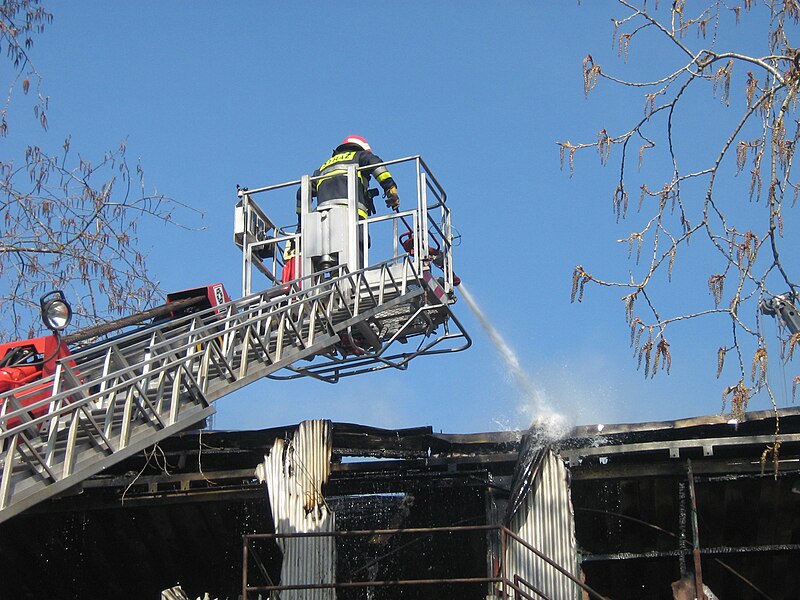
(211, 95)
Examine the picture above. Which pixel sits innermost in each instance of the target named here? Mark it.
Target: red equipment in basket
(30, 360)
(291, 270)
(434, 253)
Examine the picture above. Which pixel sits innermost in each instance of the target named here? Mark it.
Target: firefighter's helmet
(358, 141)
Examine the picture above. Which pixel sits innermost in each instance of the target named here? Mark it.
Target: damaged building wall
(541, 514)
(653, 501)
(176, 514)
(295, 472)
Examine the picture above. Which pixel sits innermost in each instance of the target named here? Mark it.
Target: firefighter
(332, 187)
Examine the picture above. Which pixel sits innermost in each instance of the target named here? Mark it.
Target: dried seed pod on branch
(74, 226)
(747, 101)
(68, 222)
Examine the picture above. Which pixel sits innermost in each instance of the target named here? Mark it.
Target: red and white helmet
(358, 141)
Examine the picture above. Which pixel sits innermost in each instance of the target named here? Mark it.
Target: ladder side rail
(173, 352)
(170, 330)
(112, 383)
(214, 334)
(77, 394)
(158, 341)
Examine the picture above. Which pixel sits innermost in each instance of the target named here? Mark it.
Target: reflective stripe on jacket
(333, 172)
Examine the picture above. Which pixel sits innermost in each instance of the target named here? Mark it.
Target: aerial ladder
(369, 294)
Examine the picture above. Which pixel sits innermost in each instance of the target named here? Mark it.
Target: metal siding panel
(546, 521)
(295, 473)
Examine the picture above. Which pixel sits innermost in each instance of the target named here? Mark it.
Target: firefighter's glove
(392, 199)
(289, 253)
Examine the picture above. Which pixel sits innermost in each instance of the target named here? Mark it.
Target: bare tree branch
(67, 222)
(672, 214)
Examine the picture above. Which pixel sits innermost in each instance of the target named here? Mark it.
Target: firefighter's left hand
(392, 199)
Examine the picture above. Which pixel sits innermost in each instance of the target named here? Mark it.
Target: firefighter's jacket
(332, 184)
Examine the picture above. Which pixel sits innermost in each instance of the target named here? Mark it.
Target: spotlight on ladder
(56, 311)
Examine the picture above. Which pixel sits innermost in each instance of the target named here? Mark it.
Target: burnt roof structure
(651, 502)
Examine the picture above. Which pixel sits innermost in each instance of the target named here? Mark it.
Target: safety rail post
(245, 255)
(306, 268)
(353, 262)
(424, 240)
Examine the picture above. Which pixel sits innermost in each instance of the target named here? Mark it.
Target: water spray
(553, 424)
